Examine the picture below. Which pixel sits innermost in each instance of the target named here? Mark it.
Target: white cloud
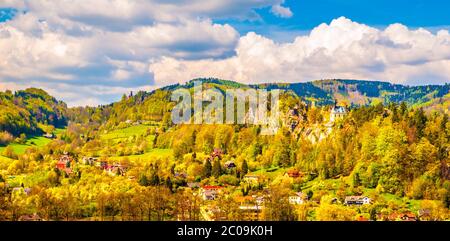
(280, 11)
(91, 52)
(342, 49)
(125, 14)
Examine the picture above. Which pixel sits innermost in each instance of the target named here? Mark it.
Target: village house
(89, 160)
(293, 173)
(28, 218)
(337, 112)
(230, 164)
(424, 214)
(251, 207)
(216, 153)
(297, 199)
(251, 178)
(356, 200)
(22, 190)
(208, 192)
(65, 164)
(49, 135)
(180, 175)
(116, 169)
(406, 216)
(361, 218)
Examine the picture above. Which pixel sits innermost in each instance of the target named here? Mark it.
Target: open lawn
(33, 141)
(153, 154)
(125, 133)
(36, 141)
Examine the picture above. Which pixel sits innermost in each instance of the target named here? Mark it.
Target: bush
(5, 138)
(229, 179)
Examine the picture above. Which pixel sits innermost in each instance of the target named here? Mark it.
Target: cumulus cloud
(124, 14)
(91, 52)
(32, 50)
(112, 43)
(341, 49)
(281, 11)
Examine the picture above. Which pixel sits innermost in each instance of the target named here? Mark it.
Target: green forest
(384, 157)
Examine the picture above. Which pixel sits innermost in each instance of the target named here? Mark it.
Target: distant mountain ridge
(21, 112)
(350, 92)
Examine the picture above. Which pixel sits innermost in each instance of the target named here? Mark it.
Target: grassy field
(36, 141)
(154, 153)
(125, 133)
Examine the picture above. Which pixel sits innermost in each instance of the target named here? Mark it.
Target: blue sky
(430, 14)
(91, 52)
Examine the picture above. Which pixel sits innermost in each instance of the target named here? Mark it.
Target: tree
(9, 152)
(216, 169)
(207, 169)
(143, 181)
(244, 167)
(333, 212)
(169, 184)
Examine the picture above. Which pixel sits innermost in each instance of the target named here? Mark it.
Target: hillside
(362, 92)
(27, 111)
(128, 161)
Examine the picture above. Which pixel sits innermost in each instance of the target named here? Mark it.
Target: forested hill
(362, 92)
(22, 111)
(350, 92)
(27, 111)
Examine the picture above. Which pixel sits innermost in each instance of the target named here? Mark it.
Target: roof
(251, 176)
(193, 184)
(206, 187)
(33, 217)
(362, 218)
(355, 198)
(338, 110)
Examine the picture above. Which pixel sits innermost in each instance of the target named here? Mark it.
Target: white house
(296, 199)
(356, 200)
(337, 112)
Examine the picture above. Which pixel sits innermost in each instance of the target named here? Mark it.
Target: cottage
(293, 173)
(297, 199)
(230, 164)
(210, 192)
(407, 216)
(361, 218)
(180, 175)
(89, 160)
(356, 200)
(64, 164)
(250, 208)
(251, 178)
(337, 112)
(424, 214)
(216, 153)
(49, 135)
(115, 169)
(21, 190)
(28, 218)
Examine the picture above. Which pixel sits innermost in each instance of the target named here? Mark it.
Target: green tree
(207, 169)
(244, 167)
(216, 169)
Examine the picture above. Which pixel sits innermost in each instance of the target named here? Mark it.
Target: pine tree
(216, 169)
(143, 180)
(207, 169)
(244, 167)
